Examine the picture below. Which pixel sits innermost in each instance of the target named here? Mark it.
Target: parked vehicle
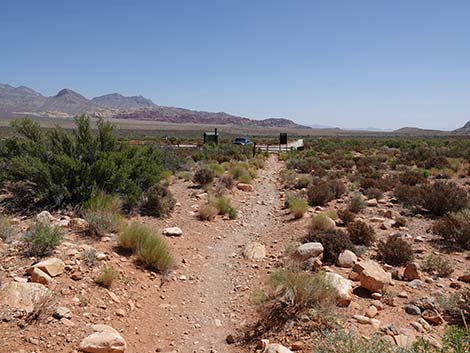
(243, 141)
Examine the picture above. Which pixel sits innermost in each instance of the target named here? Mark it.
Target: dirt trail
(208, 298)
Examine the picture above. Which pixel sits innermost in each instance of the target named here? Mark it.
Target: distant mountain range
(67, 103)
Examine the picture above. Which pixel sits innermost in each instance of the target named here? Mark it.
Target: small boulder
(45, 217)
(308, 250)
(465, 278)
(341, 286)
(432, 317)
(172, 232)
(274, 347)
(347, 259)
(373, 277)
(39, 276)
(254, 251)
(78, 224)
(52, 266)
(104, 339)
(62, 312)
(245, 187)
(411, 272)
(413, 310)
(22, 296)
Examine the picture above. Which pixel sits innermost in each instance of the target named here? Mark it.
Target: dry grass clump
(297, 207)
(6, 230)
(356, 204)
(303, 181)
(207, 212)
(437, 265)
(107, 276)
(103, 214)
(319, 194)
(227, 181)
(185, 175)
(412, 178)
(346, 215)
(224, 207)
(289, 294)
(374, 193)
(154, 252)
(455, 228)
(216, 168)
(151, 248)
(395, 251)
(334, 243)
(321, 222)
(410, 196)
(42, 239)
(203, 175)
(361, 233)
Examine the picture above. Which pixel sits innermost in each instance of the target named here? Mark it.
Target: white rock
(342, 287)
(274, 348)
(172, 232)
(347, 259)
(45, 217)
(105, 339)
(245, 187)
(254, 251)
(52, 266)
(308, 250)
(22, 296)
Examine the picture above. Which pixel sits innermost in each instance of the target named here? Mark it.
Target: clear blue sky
(347, 63)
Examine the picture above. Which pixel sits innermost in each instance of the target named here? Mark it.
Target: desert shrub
(455, 308)
(361, 233)
(289, 294)
(395, 251)
(334, 242)
(6, 230)
(103, 202)
(42, 239)
(455, 228)
(437, 265)
(223, 205)
(60, 168)
(89, 257)
(185, 175)
(132, 234)
(410, 196)
(232, 213)
(374, 193)
(223, 152)
(298, 207)
(216, 168)
(102, 212)
(207, 212)
(321, 222)
(332, 214)
(203, 175)
(337, 187)
(346, 215)
(107, 276)
(241, 172)
(158, 201)
(153, 251)
(227, 181)
(288, 178)
(303, 181)
(356, 204)
(245, 178)
(399, 222)
(413, 177)
(319, 194)
(443, 197)
(438, 162)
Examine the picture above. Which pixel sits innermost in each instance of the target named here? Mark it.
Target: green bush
(102, 212)
(158, 201)
(224, 206)
(42, 239)
(107, 276)
(346, 215)
(319, 194)
(153, 251)
(55, 168)
(437, 265)
(297, 207)
(321, 222)
(207, 212)
(216, 168)
(361, 233)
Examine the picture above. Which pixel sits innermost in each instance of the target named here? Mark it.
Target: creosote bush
(334, 242)
(361, 233)
(410, 196)
(297, 207)
(107, 276)
(319, 194)
(158, 201)
(322, 222)
(455, 228)
(42, 239)
(395, 251)
(54, 168)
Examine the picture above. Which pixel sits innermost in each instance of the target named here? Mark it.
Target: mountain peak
(67, 92)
